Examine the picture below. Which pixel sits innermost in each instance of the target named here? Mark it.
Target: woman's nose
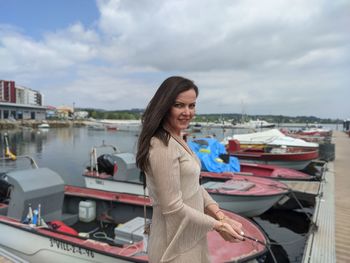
(186, 111)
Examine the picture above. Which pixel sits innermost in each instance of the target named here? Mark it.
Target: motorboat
(255, 124)
(217, 158)
(264, 170)
(317, 135)
(246, 195)
(297, 158)
(315, 132)
(44, 125)
(111, 128)
(269, 138)
(96, 127)
(43, 220)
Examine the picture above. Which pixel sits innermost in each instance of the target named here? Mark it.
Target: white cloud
(276, 57)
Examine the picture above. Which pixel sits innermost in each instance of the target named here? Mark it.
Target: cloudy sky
(259, 57)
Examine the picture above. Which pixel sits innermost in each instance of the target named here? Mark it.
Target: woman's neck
(172, 132)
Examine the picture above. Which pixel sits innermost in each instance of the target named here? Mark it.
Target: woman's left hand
(237, 226)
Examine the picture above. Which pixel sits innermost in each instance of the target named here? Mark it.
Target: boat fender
(62, 227)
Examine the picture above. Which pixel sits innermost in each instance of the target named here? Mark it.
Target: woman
(183, 212)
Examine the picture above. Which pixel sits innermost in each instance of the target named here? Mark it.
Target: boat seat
(237, 185)
(33, 187)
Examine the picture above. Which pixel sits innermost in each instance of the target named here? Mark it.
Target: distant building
(7, 91)
(28, 96)
(80, 114)
(64, 112)
(17, 102)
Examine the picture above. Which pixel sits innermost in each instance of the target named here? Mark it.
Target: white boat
(44, 126)
(272, 137)
(124, 125)
(96, 127)
(255, 124)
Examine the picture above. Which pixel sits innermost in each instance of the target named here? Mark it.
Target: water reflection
(64, 150)
(287, 231)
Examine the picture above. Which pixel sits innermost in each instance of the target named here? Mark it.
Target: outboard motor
(5, 188)
(106, 164)
(122, 166)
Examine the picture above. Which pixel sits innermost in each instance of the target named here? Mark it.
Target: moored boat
(269, 138)
(44, 125)
(263, 170)
(249, 196)
(255, 124)
(75, 224)
(288, 157)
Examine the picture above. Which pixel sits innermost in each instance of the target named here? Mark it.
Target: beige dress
(179, 226)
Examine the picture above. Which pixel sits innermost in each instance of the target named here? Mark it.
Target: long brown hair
(156, 113)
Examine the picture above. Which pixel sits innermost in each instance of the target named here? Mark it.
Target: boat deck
(331, 242)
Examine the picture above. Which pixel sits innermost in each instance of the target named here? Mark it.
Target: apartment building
(18, 102)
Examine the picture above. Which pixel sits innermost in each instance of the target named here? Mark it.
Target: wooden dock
(342, 197)
(331, 242)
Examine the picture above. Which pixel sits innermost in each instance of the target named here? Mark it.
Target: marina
(330, 213)
(232, 111)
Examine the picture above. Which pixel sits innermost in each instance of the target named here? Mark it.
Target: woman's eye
(177, 105)
(192, 106)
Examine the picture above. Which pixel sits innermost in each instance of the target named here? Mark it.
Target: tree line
(233, 118)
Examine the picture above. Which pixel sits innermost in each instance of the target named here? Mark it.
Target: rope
(267, 245)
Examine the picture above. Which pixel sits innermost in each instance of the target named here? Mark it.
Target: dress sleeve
(185, 226)
(208, 200)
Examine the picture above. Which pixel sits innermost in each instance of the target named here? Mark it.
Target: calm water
(66, 151)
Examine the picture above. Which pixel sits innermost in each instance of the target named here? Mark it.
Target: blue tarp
(208, 151)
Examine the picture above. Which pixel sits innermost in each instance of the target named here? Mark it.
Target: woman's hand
(237, 226)
(231, 232)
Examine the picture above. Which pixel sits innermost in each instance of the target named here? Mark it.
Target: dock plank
(320, 247)
(342, 197)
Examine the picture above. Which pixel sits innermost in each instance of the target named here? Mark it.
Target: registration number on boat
(71, 248)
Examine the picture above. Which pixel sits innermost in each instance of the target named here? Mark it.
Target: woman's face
(182, 112)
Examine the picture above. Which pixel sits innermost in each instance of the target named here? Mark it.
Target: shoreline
(33, 124)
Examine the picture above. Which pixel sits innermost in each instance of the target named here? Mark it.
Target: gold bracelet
(221, 228)
(222, 218)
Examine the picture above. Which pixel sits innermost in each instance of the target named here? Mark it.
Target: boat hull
(261, 170)
(296, 165)
(246, 195)
(114, 186)
(291, 160)
(42, 249)
(244, 205)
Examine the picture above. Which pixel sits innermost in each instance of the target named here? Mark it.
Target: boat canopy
(270, 137)
(210, 152)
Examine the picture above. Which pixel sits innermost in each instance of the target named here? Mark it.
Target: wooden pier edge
(320, 245)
